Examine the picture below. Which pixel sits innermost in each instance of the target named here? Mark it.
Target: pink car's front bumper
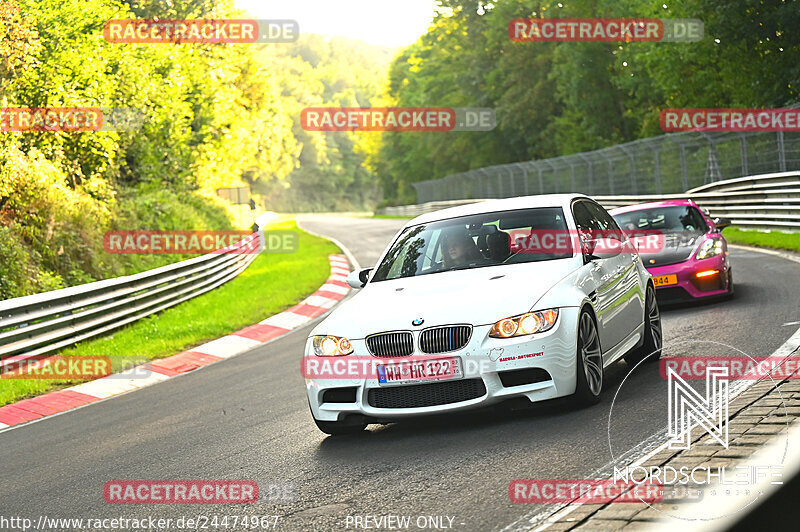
(691, 286)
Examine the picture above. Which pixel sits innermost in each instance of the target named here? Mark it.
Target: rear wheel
(653, 336)
(590, 361)
(339, 428)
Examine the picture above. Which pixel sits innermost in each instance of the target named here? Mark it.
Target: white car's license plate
(417, 371)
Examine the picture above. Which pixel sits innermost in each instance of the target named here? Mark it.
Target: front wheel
(653, 336)
(730, 283)
(590, 362)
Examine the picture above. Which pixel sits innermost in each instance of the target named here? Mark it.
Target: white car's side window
(433, 251)
(397, 265)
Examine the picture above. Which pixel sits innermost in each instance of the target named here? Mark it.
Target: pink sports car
(693, 261)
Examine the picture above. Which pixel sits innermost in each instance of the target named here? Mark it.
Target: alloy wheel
(591, 355)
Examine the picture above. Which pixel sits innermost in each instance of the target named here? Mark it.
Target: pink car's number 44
(665, 280)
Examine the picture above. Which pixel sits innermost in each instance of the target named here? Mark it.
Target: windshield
(476, 241)
(667, 219)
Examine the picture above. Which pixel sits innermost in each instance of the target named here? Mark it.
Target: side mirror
(722, 223)
(358, 278)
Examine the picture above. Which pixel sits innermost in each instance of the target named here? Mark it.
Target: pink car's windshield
(667, 219)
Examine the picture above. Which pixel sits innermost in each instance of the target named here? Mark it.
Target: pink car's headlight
(709, 248)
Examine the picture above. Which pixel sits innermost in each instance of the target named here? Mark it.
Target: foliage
(559, 98)
(330, 173)
(216, 115)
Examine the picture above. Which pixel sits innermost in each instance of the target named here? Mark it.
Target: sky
(386, 22)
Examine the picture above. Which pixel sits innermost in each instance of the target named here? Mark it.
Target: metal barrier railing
(40, 324)
(769, 201)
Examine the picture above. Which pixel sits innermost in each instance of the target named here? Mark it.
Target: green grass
(774, 239)
(272, 283)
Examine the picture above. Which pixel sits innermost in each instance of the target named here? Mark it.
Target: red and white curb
(330, 293)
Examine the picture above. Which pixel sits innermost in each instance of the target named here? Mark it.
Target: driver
(458, 249)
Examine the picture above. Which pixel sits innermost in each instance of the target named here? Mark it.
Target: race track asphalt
(247, 418)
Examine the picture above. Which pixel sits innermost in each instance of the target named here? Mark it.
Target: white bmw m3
(525, 297)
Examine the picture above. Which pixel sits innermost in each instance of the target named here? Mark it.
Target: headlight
(332, 346)
(710, 248)
(530, 323)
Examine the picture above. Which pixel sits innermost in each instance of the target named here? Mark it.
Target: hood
(678, 247)
(479, 296)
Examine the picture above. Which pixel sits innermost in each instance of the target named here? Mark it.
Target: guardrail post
(781, 152)
(683, 168)
(555, 177)
(610, 171)
(486, 182)
(743, 150)
(657, 164)
(571, 174)
(541, 181)
(524, 176)
(475, 185)
(633, 167)
(684, 174)
(590, 173)
(656, 147)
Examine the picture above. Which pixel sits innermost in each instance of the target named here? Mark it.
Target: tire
(730, 283)
(653, 334)
(339, 428)
(589, 384)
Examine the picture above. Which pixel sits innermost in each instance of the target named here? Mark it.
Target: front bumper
(538, 367)
(689, 286)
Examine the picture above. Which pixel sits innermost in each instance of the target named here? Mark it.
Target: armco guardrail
(769, 201)
(40, 324)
